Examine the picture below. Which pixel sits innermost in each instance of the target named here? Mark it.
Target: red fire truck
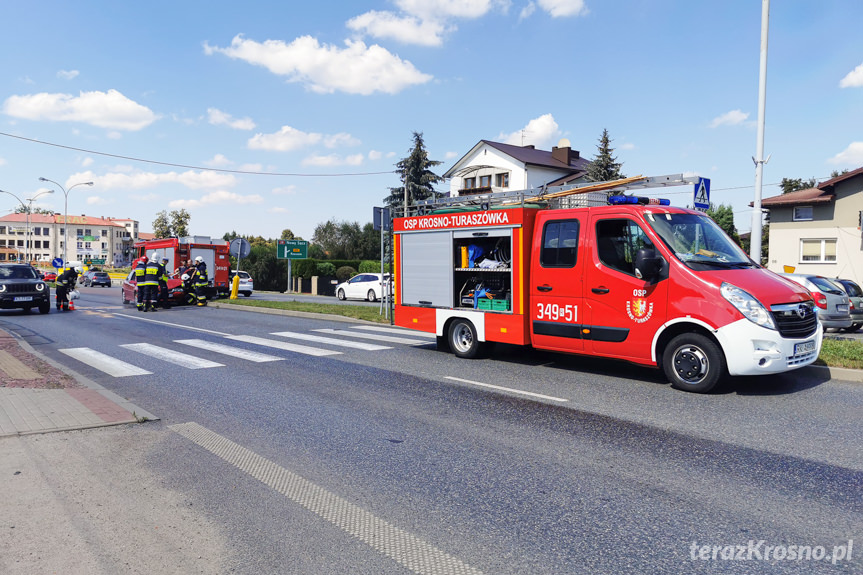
(186, 249)
(650, 284)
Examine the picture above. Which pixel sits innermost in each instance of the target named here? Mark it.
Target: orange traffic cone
(72, 305)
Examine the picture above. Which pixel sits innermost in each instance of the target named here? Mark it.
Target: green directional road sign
(292, 249)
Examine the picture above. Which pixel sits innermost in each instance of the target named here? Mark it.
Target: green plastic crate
(499, 305)
(484, 303)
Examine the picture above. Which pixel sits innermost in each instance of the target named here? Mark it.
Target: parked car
(22, 288)
(99, 279)
(129, 289)
(246, 286)
(855, 294)
(364, 286)
(49, 276)
(84, 278)
(831, 301)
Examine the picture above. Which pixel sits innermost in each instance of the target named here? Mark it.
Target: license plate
(24, 298)
(842, 308)
(805, 347)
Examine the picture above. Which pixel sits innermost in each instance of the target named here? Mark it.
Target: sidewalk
(37, 395)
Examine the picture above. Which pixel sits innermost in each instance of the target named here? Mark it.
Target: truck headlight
(750, 307)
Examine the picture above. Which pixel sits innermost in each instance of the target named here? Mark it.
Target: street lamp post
(28, 250)
(66, 213)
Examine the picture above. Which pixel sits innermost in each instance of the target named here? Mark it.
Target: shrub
(326, 269)
(345, 273)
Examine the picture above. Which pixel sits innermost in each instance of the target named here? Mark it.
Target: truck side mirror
(647, 264)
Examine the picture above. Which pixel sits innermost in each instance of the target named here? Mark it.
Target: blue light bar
(617, 200)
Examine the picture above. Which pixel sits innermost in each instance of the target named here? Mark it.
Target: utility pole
(757, 216)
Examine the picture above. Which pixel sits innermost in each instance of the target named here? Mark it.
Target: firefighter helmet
(78, 269)
(165, 259)
(144, 259)
(199, 259)
(154, 256)
(184, 277)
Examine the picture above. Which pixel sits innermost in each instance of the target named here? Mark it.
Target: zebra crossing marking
(386, 338)
(283, 345)
(395, 330)
(255, 356)
(103, 362)
(171, 356)
(331, 340)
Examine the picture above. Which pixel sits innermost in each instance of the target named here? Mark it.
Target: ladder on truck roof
(591, 194)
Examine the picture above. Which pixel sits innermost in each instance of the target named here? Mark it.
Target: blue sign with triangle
(702, 194)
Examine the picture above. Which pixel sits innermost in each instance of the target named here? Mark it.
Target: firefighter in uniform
(65, 283)
(200, 280)
(151, 284)
(140, 274)
(163, 284)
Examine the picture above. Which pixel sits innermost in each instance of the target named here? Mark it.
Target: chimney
(563, 152)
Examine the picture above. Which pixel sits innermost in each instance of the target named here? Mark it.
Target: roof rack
(597, 191)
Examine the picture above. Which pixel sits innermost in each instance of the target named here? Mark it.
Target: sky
(261, 116)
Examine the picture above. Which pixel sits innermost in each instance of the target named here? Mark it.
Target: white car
(363, 286)
(247, 284)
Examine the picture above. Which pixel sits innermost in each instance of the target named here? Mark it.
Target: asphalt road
(406, 459)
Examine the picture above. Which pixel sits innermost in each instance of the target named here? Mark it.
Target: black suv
(21, 287)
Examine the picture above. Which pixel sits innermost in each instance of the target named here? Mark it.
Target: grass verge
(845, 353)
(363, 312)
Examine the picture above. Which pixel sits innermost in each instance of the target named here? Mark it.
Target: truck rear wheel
(693, 362)
(463, 340)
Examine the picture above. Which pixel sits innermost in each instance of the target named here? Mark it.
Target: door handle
(544, 288)
(600, 290)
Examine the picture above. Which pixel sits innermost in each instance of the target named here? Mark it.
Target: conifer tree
(604, 167)
(416, 177)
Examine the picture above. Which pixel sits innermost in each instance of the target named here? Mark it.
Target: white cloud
(542, 132)
(851, 156)
(563, 8)
(218, 161)
(288, 139)
(626, 146)
(2, 161)
(375, 155)
(142, 180)
(732, 118)
(217, 117)
(252, 168)
(334, 160)
(217, 197)
(110, 109)
(450, 155)
(441, 9)
(527, 11)
(285, 190)
(279, 210)
(404, 29)
(88, 161)
(68, 74)
(854, 78)
(355, 69)
(98, 201)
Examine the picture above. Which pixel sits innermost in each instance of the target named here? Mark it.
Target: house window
(104, 233)
(502, 180)
(469, 183)
(485, 181)
(2, 229)
(803, 214)
(817, 251)
(37, 231)
(46, 245)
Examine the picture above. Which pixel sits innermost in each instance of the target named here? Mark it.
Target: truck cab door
(556, 281)
(623, 311)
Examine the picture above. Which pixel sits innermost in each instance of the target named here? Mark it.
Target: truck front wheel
(463, 340)
(693, 362)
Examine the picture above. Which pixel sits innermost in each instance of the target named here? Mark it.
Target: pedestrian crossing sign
(702, 194)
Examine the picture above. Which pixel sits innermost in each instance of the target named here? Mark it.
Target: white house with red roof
(818, 230)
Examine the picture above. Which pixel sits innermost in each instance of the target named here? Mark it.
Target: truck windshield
(697, 241)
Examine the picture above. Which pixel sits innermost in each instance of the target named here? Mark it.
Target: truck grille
(795, 320)
(20, 288)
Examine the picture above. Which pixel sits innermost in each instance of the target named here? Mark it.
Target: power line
(190, 167)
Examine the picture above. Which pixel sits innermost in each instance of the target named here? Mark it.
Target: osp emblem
(639, 310)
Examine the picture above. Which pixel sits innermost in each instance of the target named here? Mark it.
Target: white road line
(104, 363)
(403, 547)
(283, 345)
(229, 350)
(179, 325)
(171, 356)
(508, 389)
(386, 338)
(331, 340)
(395, 330)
